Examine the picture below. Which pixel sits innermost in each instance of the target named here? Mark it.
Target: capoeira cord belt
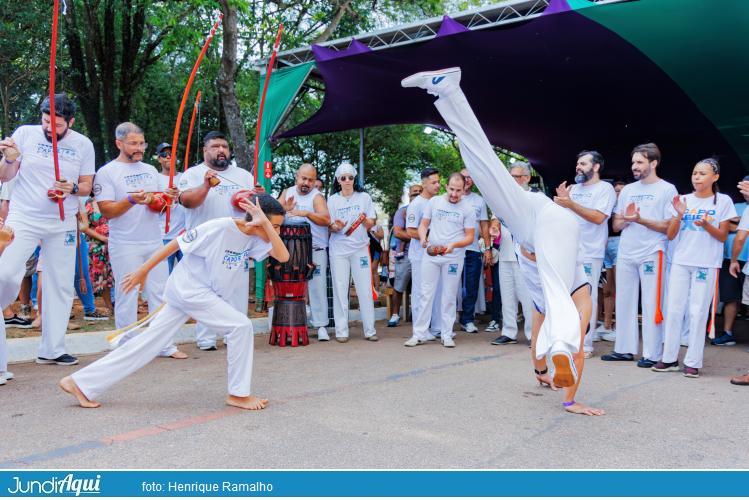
(113, 337)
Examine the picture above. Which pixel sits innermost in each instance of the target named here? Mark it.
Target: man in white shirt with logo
(592, 201)
(450, 220)
(124, 188)
(642, 214)
(304, 203)
(206, 192)
(474, 260)
(34, 217)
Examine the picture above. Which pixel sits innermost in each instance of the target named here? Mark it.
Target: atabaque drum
(289, 323)
(299, 267)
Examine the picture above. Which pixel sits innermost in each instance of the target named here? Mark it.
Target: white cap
(343, 169)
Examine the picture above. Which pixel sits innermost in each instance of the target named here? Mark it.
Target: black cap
(161, 147)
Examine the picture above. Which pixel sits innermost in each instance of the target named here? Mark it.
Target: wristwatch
(75, 189)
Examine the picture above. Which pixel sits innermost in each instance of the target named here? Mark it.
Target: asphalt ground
(380, 405)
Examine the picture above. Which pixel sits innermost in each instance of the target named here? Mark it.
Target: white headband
(343, 169)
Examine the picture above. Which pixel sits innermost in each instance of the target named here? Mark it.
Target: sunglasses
(165, 155)
(346, 178)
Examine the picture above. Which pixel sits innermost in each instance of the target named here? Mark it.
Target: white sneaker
(436, 83)
(609, 336)
(469, 327)
(322, 334)
(413, 342)
(493, 327)
(596, 336)
(5, 376)
(448, 342)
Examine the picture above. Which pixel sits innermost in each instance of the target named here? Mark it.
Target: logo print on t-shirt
(648, 267)
(588, 267)
(96, 190)
(412, 218)
(190, 236)
(232, 260)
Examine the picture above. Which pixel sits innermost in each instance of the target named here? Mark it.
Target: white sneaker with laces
(448, 342)
(322, 334)
(437, 83)
(609, 336)
(394, 320)
(493, 327)
(413, 342)
(470, 327)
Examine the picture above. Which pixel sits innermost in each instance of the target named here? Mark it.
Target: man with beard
(35, 218)
(450, 220)
(474, 260)
(206, 194)
(642, 215)
(592, 202)
(123, 189)
(304, 203)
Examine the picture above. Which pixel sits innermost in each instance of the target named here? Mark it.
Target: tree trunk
(227, 89)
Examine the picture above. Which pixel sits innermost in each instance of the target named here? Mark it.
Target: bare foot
(179, 355)
(247, 403)
(68, 385)
(580, 409)
(546, 380)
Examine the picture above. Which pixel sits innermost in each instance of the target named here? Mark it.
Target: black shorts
(729, 287)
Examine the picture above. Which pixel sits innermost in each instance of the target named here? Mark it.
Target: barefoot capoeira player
(215, 265)
(304, 203)
(206, 191)
(541, 226)
(450, 222)
(701, 222)
(430, 183)
(592, 201)
(642, 215)
(35, 218)
(123, 189)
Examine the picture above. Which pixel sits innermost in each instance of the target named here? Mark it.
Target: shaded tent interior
(578, 76)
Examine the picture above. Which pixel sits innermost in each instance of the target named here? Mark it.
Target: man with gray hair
(124, 188)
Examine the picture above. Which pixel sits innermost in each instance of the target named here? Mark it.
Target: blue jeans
(471, 276)
(87, 298)
(174, 258)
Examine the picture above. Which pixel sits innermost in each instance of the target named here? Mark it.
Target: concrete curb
(25, 349)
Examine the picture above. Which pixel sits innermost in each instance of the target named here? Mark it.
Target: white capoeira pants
(203, 305)
(58, 240)
(592, 268)
(512, 289)
(434, 327)
(550, 229)
(342, 269)
(205, 335)
(125, 259)
(685, 320)
(440, 280)
(690, 292)
(318, 289)
(629, 274)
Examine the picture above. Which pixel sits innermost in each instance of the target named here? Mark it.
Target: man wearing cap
(304, 203)
(177, 216)
(35, 217)
(206, 191)
(124, 188)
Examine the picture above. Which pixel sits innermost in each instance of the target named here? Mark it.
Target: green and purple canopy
(580, 76)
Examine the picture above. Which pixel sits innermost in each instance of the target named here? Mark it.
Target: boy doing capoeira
(450, 221)
(215, 265)
(541, 226)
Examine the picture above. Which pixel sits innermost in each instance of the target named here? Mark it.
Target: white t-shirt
(414, 213)
(347, 210)
(654, 201)
(218, 201)
(449, 221)
(113, 182)
(744, 226)
(6, 188)
(506, 246)
(306, 202)
(177, 215)
(216, 257)
(480, 213)
(593, 237)
(695, 246)
(37, 172)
